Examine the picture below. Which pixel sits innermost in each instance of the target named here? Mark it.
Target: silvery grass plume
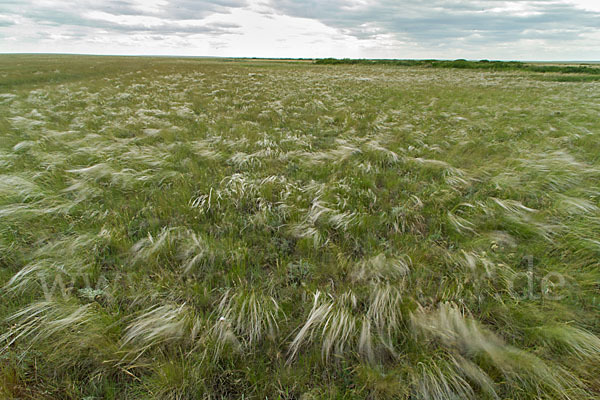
(576, 205)
(367, 168)
(65, 333)
(460, 224)
(384, 315)
(334, 318)
(320, 214)
(389, 157)
(584, 344)
(240, 189)
(102, 173)
(59, 265)
(516, 212)
(337, 155)
(82, 190)
(243, 160)
(158, 326)
(24, 199)
(7, 159)
(48, 206)
(382, 268)
(456, 178)
(407, 217)
(45, 320)
(194, 252)
(6, 97)
(189, 248)
(463, 336)
(306, 228)
(204, 149)
(477, 263)
(152, 247)
(557, 170)
(249, 314)
(342, 327)
(442, 379)
(19, 189)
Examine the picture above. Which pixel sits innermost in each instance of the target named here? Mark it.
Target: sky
(443, 29)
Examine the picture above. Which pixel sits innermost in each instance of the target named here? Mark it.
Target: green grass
(464, 64)
(193, 228)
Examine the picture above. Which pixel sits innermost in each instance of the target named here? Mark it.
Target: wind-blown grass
(184, 229)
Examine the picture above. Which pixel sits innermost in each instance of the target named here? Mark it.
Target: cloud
(438, 22)
(534, 29)
(138, 23)
(86, 12)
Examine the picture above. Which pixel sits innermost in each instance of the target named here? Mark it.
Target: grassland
(183, 228)
(583, 72)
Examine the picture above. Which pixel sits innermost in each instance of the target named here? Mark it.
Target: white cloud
(493, 29)
(590, 5)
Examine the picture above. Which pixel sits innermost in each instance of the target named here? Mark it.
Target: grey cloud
(431, 24)
(172, 10)
(173, 15)
(170, 29)
(191, 9)
(437, 22)
(73, 13)
(166, 28)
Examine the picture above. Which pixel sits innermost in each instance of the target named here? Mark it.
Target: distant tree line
(465, 64)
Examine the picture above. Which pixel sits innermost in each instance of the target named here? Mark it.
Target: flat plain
(201, 228)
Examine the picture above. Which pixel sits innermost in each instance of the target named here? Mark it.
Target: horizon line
(288, 58)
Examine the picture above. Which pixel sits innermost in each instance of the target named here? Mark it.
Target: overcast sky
(474, 29)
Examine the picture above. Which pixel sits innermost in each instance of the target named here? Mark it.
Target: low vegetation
(464, 64)
(193, 228)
